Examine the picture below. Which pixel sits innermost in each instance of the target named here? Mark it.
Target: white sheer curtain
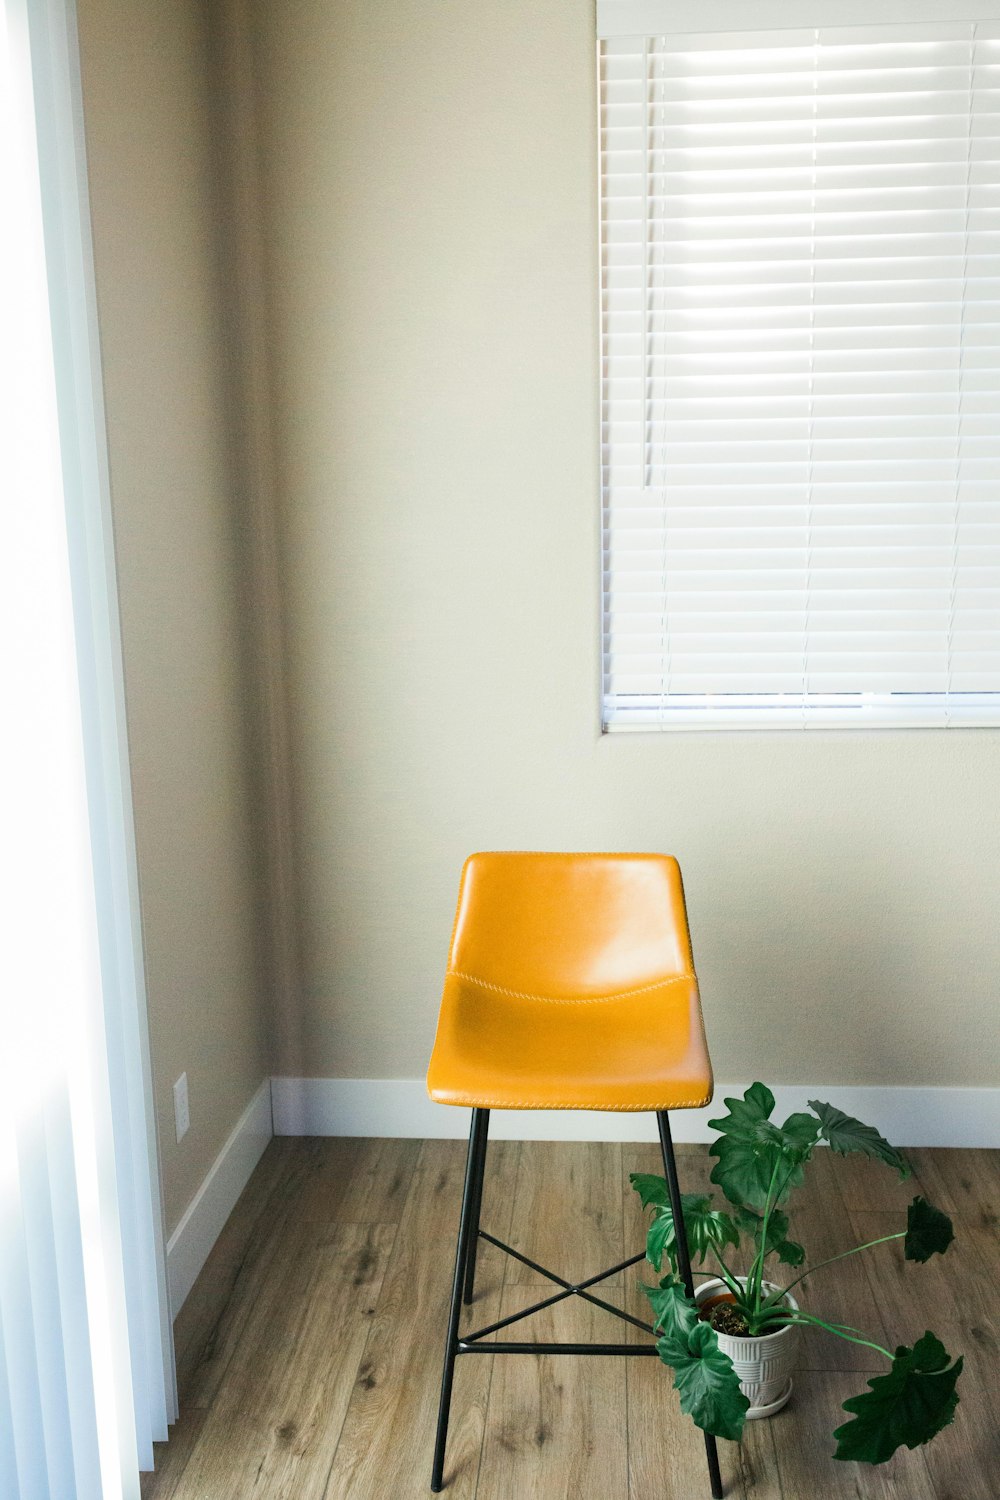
(86, 1378)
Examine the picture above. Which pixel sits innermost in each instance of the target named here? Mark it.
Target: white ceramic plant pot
(764, 1365)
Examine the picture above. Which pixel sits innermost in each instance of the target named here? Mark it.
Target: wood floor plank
(274, 1424)
(321, 1377)
(866, 1184)
(492, 1266)
(319, 1183)
(350, 1180)
(953, 1287)
(388, 1436)
(198, 1324)
(555, 1425)
(171, 1457)
(964, 1183)
(936, 1172)
(840, 1293)
(638, 1157)
(955, 1296)
(803, 1447)
(666, 1452)
(568, 1209)
(964, 1460)
(693, 1165)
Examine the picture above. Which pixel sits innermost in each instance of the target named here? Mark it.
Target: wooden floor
(309, 1350)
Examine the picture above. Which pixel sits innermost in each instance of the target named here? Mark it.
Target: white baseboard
(202, 1221)
(400, 1107)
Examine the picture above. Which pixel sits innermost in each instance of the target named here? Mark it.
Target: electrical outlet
(182, 1114)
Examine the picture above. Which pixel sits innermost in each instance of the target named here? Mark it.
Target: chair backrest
(570, 925)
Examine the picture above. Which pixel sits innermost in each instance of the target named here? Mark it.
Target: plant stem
(756, 1276)
(806, 1318)
(830, 1260)
(771, 1203)
(782, 1315)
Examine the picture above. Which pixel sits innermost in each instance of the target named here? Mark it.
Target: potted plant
(731, 1346)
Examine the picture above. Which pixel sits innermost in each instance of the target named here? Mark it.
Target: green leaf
(708, 1385)
(788, 1251)
(799, 1135)
(656, 1240)
(845, 1134)
(705, 1226)
(674, 1312)
(928, 1231)
(746, 1113)
(746, 1161)
(750, 1147)
(651, 1189)
(909, 1405)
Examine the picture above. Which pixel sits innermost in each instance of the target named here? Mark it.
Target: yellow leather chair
(570, 985)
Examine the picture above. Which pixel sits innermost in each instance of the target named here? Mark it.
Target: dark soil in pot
(725, 1317)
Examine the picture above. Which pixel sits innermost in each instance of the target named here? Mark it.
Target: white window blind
(801, 377)
(86, 1377)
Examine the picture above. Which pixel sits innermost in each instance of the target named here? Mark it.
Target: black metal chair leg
(470, 1197)
(684, 1266)
(470, 1266)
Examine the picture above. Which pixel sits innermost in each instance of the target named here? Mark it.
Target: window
(801, 371)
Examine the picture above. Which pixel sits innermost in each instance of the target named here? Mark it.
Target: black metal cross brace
(469, 1342)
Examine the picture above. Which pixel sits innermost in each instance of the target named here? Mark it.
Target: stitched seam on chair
(493, 1102)
(500, 989)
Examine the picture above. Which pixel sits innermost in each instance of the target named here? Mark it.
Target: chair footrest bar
(503, 1348)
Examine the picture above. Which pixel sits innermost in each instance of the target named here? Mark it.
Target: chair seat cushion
(640, 1049)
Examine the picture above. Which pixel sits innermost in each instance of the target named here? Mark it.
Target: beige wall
(430, 179)
(150, 144)
(428, 330)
